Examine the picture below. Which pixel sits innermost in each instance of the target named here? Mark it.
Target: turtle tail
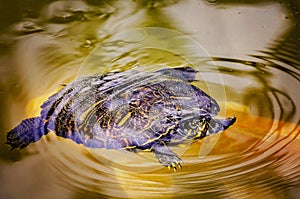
(24, 134)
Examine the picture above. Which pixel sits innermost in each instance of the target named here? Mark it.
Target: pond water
(247, 54)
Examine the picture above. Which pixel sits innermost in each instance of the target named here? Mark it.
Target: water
(248, 57)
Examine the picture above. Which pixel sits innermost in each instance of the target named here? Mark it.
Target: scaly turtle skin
(127, 110)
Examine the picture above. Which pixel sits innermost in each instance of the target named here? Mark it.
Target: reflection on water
(248, 56)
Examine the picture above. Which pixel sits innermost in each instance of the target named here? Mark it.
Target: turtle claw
(167, 157)
(179, 166)
(172, 162)
(176, 165)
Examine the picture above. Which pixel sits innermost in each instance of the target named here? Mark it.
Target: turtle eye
(135, 103)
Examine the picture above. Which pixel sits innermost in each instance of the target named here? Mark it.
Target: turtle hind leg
(166, 157)
(216, 126)
(24, 134)
(187, 73)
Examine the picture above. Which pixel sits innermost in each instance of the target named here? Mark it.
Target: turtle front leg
(166, 157)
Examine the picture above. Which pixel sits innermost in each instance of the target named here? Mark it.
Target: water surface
(246, 52)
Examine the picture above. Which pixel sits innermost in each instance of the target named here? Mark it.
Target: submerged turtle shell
(127, 109)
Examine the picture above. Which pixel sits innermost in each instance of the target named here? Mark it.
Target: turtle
(132, 110)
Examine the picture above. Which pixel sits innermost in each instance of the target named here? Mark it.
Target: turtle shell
(126, 109)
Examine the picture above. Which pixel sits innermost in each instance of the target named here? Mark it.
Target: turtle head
(193, 128)
(200, 127)
(196, 128)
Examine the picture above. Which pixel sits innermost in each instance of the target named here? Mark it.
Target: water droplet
(89, 43)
